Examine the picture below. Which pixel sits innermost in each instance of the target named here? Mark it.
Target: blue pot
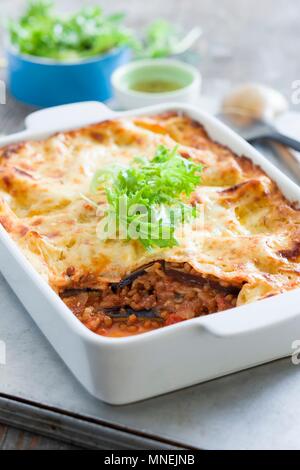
(46, 82)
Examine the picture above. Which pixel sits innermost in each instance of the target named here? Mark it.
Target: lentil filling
(157, 295)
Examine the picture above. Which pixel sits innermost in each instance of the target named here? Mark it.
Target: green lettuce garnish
(151, 196)
(42, 32)
(161, 40)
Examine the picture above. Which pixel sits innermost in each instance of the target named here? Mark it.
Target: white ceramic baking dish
(125, 370)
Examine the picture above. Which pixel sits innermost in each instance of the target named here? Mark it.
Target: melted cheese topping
(248, 234)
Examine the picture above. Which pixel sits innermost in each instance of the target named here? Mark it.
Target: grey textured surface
(244, 40)
(16, 439)
(257, 408)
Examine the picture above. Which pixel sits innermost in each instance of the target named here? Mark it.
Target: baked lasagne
(246, 249)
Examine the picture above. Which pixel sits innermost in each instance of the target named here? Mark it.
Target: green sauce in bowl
(152, 81)
(155, 86)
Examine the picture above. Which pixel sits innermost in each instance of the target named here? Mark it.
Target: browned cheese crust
(249, 238)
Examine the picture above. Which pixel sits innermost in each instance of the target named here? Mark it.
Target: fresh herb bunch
(161, 40)
(42, 32)
(158, 188)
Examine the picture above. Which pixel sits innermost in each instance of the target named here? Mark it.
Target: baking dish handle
(60, 118)
(252, 317)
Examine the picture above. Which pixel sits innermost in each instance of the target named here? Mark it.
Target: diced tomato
(173, 318)
(222, 303)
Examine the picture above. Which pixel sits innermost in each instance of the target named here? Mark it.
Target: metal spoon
(254, 130)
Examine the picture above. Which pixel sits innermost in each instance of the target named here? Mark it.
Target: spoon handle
(289, 159)
(276, 136)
